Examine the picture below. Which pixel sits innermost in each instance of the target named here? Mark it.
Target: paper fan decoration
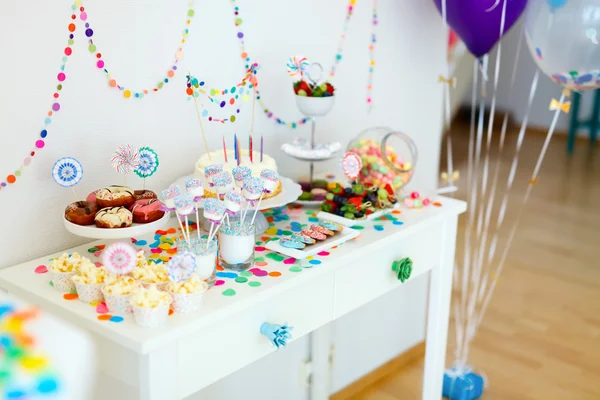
(351, 164)
(119, 258)
(148, 163)
(67, 171)
(125, 159)
(181, 266)
(297, 65)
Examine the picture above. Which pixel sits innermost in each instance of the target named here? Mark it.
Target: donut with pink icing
(147, 210)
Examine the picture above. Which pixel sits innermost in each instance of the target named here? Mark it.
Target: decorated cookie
(304, 239)
(322, 230)
(113, 217)
(330, 225)
(291, 243)
(313, 234)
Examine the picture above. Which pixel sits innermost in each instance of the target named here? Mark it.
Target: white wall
(138, 39)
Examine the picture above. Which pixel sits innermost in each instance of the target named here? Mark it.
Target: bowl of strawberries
(314, 100)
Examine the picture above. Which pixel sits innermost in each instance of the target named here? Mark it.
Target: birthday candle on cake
(251, 160)
(239, 152)
(224, 149)
(261, 147)
(235, 147)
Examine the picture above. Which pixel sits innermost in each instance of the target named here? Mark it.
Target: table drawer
(236, 341)
(371, 275)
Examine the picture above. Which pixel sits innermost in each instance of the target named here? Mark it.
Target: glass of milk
(236, 244)
(206, 256)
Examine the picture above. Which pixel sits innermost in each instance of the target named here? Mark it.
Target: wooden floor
(541, 336)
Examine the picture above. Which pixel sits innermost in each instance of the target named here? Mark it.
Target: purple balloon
(477, 22)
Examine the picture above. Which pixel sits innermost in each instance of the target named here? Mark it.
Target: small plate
(349, 222)
(313, 249)
(92, 231)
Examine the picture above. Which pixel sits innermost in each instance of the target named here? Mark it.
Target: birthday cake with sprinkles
(254, 164)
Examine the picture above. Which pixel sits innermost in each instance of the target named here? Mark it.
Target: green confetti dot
(246, 273)
(259, 259)
(338, 57)
(358, 227)
(190, 13)
(241, 279)
(92, 48)
(258, 243)
(229, 292)
(50, 283)
(232, 118)
(160, 85)
(93, 249)
(275, 256)
(296, 269)
(254, 284)
(70, 42)
(286, 233)
(238, 21)
(311, 213)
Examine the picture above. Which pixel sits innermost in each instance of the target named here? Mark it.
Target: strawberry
(355, 201)
(330, 89)
(389, 189)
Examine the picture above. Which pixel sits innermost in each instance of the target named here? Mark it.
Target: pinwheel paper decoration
(67, 171)
(148, 163)
(181, 266)
(125, 159)
(119, 258)
(297, 65)
(278, 335)
(351, 164)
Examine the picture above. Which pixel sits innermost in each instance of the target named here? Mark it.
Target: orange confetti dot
(171, 73)
(219, 268)
(189, 91)
(231, 101)
(70, 296)
(261, 263)
(437, 204)
(104, 317)
(145, 92)
(171, 311)
(244, 54)
(11, 179)
(393, 212)
(270, 218)
(49, 113)
(275, 274)
(112, 83)
(72, 27)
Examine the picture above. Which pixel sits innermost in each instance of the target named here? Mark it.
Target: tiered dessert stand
(93, 232)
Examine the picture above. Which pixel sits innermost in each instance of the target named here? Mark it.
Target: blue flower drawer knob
(402, 268)
(278, 335)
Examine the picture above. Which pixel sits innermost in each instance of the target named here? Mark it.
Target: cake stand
(290, 191)
(93, 232)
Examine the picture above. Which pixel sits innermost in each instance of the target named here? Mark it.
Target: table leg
(320, 343)
(158, 374)
(440, 288)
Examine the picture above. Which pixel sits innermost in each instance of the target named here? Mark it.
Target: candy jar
(388, 157)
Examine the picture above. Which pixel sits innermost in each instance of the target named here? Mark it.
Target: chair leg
(594, 121)
(574, 125)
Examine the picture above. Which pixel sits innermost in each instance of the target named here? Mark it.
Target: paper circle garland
(119, 258)
(125, 159)
(148, 163)
(351, 164)
(181, 266)
(67, 171)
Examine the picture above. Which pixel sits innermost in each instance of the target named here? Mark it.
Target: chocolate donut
(147, 210)
(113, 217)
(115, 196)
(81, 212)
(144, 195)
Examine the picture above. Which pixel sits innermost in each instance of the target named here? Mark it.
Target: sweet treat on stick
(113, 217)
(195, 188)
(115, 196)
(144, 194)
(213, 210)
(240, 174)
(147, 210)
(233, 202)
(168, 196)
(184, 205)
(252, 189)
(270, 180)
(223, 183)
(211, 171)
(81, 212)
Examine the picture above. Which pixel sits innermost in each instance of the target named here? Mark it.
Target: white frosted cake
(217, 157)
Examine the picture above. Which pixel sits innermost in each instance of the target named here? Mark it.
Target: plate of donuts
(116, 212)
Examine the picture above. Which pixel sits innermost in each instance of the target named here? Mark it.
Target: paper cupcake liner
(185, 303)
(160, 286)
(89, 292)
(62, 281)
(151, 317)
(118, 303)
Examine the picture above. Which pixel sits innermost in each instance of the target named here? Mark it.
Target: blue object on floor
(592, 124)
(462, 385)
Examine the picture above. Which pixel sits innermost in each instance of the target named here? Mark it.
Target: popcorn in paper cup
(187, 295)
(117, 291)
(150, 307)
(62, 270)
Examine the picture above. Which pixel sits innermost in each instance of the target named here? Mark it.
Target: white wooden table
(193, 351)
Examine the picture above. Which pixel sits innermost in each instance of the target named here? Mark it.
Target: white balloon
(564, 39)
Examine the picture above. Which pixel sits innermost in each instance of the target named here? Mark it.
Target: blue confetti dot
(141, 243)
(204, 113)
(154, 245)
(398, 223)
(15, 394)
(48, 385)
(44, 133)
(313, 219)
(116, 318)
(5, 341)
(4, 309)
(378, 227)
(314, 262)
(231, 275)
(296, 227)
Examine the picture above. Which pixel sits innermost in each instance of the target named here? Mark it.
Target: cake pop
(240, 174)
(223, 183)
(210, 172)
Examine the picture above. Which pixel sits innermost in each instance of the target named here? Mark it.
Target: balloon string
(513, 230)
